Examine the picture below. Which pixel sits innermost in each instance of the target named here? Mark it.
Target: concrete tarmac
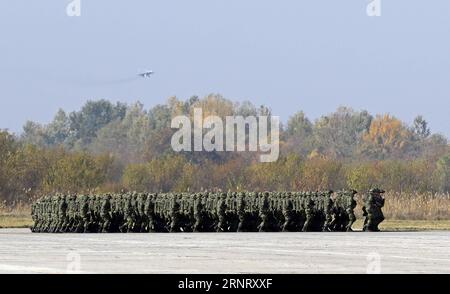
(391, 252)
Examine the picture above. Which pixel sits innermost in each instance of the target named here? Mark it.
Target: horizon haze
(296, 55)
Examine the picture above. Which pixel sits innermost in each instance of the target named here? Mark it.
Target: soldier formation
(205, 212)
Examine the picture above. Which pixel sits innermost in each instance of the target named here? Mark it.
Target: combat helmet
(376, 191)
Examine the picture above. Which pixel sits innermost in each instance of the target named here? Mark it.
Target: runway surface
(411, 252)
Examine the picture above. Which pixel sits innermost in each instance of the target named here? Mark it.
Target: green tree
(338, 134)
(136, 177)
(420, 127)
(8, 148)
(443, 173)
(93, 116)
(78, 172)
(159, 175)
(362, 176)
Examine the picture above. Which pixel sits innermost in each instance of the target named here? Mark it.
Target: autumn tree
(163, 174)
(281, 175)
(387, 137)
(322, 174)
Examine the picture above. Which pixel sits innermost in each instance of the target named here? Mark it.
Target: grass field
(409, 225)
(14, 221)
(22, 220)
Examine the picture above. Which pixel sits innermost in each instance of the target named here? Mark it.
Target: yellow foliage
(214, 105)
(388, 131)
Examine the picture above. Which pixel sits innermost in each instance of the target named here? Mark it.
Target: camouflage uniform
(105, 214)
(328, 211)
(199, 214)
(288, 214)
(264, 213)
(175, 215)
(372, 210)
(309, 212)
(221, 208)
(242, 214)
(62, 215)
(128, 214)
(84, 220)
(350, 206)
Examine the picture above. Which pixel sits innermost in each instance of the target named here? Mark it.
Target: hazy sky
(288, 54)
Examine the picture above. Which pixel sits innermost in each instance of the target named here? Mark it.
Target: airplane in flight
(146, 74)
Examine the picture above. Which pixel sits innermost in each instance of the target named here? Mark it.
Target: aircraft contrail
(125, 80)
(87, 80)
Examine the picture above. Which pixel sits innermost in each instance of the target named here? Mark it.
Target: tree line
(109, 146)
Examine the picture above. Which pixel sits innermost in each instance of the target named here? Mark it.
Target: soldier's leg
(307, 224)
(49, 226)
(380, 218)
(288, 225)
(240, 226)
(87, 225)
(352, 219)
(220, 225)
(69, 225)
(130, 225)
(78, 226)
(144, 224)
(152, 224)
(62, 225)
(262, 226)
(123, 228)
(174, 225)
(371, 223)
(345, 222)
(328, 222)
(366, 220)
(58, 226)
(106, 226)
(197, 224)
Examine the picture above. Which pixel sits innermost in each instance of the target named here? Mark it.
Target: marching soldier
(372, 210)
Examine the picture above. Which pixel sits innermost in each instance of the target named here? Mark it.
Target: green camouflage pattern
(134, 212)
